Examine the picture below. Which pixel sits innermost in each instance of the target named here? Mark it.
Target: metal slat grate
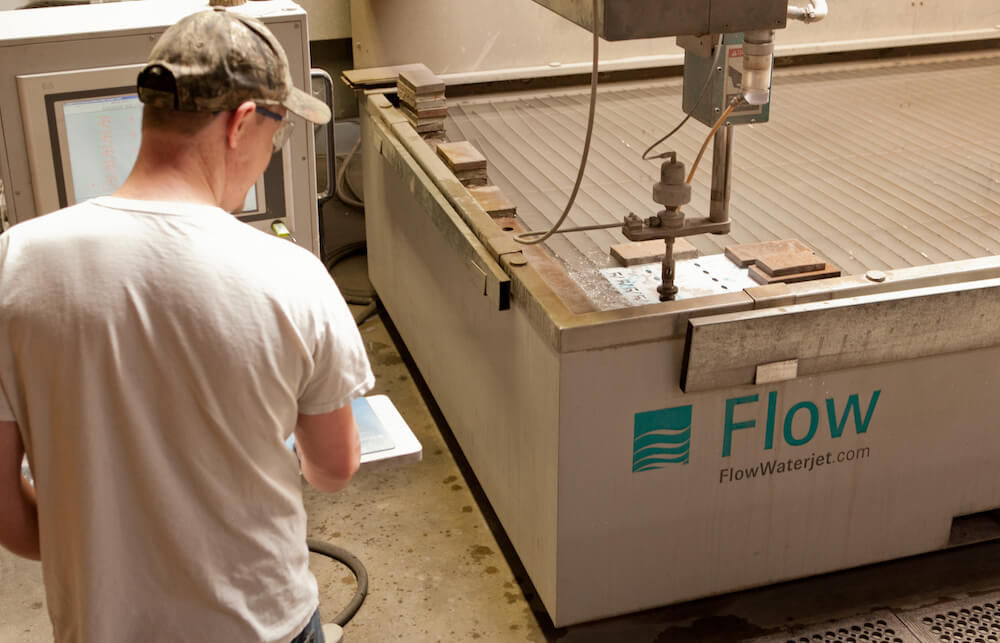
(875, 165)
(877, 627)
(975, 620)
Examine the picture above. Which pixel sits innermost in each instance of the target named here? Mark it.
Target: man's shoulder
(49, 220)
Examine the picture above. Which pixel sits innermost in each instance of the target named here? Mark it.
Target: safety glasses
(284, 131)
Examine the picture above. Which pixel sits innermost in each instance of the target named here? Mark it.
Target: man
(155, 353)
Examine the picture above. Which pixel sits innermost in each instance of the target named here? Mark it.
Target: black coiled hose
(353, 563)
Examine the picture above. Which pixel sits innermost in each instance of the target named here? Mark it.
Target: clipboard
(385, 435)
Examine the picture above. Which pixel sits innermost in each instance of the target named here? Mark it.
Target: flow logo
(661, 437)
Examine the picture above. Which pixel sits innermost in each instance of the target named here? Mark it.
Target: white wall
(328, 19)
(475, 40)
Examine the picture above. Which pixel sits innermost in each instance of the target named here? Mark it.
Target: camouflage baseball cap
(212, 61)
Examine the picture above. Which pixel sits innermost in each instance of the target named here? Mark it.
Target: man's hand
(329, 448)
(18, 507)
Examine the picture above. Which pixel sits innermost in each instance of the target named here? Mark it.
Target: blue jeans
(312, 632)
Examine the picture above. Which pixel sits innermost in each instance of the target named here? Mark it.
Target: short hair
(177, 122)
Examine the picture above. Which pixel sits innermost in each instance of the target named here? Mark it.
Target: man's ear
(237, 126)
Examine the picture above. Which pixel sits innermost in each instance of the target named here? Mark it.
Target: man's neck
(166, 171)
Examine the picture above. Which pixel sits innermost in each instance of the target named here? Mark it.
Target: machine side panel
(493, 375)
(666, 497)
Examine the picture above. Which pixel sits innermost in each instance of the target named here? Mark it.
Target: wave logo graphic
(661, 437)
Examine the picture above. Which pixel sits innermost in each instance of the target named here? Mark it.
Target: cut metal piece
(701, 277)
(461, 155)
(790, 263)
(761, 277)
(724, 350)
(777, 371)
(748, 253)
(639, 252)
(493, 201)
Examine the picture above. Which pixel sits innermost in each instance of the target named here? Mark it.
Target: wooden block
(421, 79)
(493, 201)
(748, 253)
(461, 156)
(637, 252)
(762, 277)
(791, 263)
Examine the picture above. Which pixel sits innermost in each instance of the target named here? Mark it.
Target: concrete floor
(441, 568)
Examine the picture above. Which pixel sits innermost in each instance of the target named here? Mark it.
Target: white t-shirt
(155, 356)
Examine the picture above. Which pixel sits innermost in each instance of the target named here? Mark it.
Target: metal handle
(331, 161)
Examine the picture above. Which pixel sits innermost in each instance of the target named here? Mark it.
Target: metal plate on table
(699, 277)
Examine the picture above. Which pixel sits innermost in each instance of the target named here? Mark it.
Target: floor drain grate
(878, 627)
(974, 620)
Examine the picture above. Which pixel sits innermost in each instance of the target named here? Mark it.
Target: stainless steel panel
(633, 19)
(725, 350)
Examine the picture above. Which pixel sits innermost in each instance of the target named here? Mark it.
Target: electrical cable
(353, 563)
(356, 191)
(585, 228)
(715, 128)
(701, 97)
(339, 183)
(355, 296)
(526, 237)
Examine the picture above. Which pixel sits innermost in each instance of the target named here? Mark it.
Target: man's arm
(18, 507)
(329, 448)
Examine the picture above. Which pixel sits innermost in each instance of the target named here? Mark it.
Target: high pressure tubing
(715, 128)
(528, 238)
(815, 12)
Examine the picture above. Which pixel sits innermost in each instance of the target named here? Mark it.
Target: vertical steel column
(722, 169)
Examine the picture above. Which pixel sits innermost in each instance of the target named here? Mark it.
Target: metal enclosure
(100, 46)
(723, 87)
(629, 19)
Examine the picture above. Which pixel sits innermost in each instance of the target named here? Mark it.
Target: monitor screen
(102, 142)
(99, 142)
(82, 129)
